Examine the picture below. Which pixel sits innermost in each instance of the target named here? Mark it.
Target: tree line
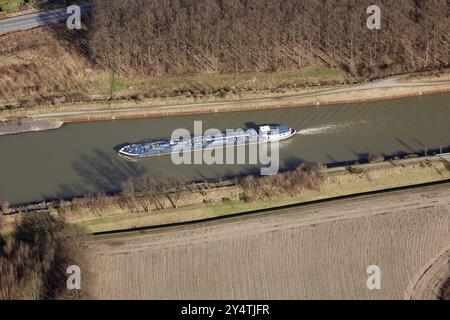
(159, 37)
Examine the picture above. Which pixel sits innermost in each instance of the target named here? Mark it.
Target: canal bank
(25, 124)
(387, 89)
(81, 158)
(215, 199)
(218, 107)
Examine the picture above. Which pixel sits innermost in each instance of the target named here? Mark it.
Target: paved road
(39, 19)
(386, 83)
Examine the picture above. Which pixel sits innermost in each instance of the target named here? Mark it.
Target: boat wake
(324, 129)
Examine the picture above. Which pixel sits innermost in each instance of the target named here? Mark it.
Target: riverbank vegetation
(432, 75)
(149, 195)
(31, 81)
(34, 258)
(291, 183)
(12, 5)
(148, 202)
(232, 197)
(211, 50)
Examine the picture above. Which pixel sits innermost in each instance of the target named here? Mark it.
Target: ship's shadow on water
(105, 172)
(100, 172)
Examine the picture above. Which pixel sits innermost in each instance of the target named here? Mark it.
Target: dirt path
(386, 83)
(317, 251)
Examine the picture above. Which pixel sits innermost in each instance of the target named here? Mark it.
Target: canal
(81, 158)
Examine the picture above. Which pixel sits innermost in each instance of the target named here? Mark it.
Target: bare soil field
(433, 281)
(319, 251)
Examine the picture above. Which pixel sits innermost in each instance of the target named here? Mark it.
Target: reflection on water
(80, 158)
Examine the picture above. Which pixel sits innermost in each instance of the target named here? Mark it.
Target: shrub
(5, 208)
(376, 159)
(34, 259)
(304, 177)
(11, 5)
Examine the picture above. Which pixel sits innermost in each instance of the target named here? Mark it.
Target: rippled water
(80, 158)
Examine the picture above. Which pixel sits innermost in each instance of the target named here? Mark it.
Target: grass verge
(337, 183)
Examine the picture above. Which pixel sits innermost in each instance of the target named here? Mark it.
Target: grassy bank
(100, 90)
(228, 200)
(153, 108)
(31, 82)
(433, 75)
(163, 107)
(216, 85)
(18, 7)
(337, 183)
(128, 210)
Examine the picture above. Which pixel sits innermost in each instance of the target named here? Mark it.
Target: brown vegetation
(376, 159)
(432, 75)
(143, 194)
(304, 177)
(146, 202)
(216, 49)
(34, 259)
(148, 194)
(5, 207)
(37, 68)
(173, 37)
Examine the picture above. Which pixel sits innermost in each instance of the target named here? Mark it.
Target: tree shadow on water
(104, 171)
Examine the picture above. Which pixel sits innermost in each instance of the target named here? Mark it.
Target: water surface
(80, 158)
